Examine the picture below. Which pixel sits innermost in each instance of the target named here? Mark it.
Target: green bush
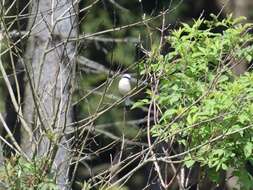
(19, 174)
(204, 106)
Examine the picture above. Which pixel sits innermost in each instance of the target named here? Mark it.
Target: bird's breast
(124, 86)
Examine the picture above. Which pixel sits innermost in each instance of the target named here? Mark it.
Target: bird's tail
(127, 102)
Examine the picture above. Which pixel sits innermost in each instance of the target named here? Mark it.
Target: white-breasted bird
(125, 86)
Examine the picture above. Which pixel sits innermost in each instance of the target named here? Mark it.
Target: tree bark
(50, 63)
(238, 8)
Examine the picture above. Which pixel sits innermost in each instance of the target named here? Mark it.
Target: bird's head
(127, 76)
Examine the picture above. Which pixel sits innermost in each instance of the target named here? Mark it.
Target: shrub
(204, 107)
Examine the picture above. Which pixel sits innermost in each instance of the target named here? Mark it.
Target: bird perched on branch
(125, 87)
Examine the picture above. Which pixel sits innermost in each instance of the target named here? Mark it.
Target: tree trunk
(49, 64)
(238, 8)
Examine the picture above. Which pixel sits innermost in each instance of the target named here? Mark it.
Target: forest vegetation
(185, 124)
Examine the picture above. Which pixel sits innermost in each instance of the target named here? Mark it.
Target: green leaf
(140, 103)
(248, 149)
(168, 114)
(224, 166)
(189, 163)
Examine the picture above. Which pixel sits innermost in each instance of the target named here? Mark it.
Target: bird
(125, 87)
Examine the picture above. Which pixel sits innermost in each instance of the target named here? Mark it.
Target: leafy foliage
(19, 174)
(204, 105)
